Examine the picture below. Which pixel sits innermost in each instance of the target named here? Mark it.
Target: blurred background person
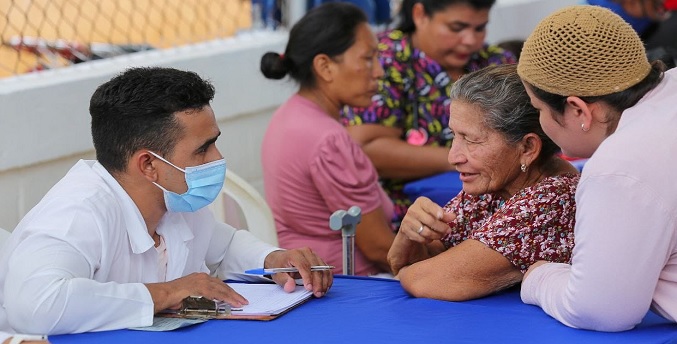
(311, 165)
(654, 21)
(517, 204)
(403, 130)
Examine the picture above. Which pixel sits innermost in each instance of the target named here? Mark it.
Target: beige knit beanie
(583, 51)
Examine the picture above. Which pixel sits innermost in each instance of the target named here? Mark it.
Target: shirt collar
(139, 240)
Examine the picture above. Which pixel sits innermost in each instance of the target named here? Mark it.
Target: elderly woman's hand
(425, 221)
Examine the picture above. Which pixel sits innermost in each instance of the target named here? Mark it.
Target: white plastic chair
(241, 206)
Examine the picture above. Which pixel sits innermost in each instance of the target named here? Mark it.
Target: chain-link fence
(43, 34)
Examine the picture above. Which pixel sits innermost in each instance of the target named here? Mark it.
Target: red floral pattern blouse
(535, 224)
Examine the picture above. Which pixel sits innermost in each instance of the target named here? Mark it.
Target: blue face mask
(204, 185)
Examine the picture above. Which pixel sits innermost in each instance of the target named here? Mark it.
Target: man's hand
(318, 282)
(171, 294)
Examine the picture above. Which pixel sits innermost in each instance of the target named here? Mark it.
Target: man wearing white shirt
(128, 235)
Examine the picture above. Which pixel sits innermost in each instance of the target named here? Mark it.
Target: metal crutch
(347, 222)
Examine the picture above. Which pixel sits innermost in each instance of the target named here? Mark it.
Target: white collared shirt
(78, 261)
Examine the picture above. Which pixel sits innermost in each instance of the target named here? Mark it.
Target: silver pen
(270, 271)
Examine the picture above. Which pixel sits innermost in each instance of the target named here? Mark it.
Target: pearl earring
(584, 128)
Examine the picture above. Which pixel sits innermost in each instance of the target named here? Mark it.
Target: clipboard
(266, 302)
(198, 307)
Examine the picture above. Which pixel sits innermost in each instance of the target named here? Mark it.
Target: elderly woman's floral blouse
(535, 224)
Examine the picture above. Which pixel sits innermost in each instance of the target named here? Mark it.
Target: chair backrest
(242, 207)
(4, 235)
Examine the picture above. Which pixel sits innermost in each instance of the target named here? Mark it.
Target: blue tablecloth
(439, 188)
(369, 310)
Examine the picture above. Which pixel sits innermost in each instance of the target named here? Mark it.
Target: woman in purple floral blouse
(517, 204)
(404, 132)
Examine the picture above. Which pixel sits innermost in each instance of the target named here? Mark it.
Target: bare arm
(374, 237)
(467, 271)
(394, 158)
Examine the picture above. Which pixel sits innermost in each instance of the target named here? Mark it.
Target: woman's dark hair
(327, 29)
(499, 92)
(618, 101)
(406, 21)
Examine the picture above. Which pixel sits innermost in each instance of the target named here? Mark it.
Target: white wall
(44, 118)
(515, 19)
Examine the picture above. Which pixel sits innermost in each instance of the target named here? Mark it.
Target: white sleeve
(621, 245)
(49, 286)
(235, 251)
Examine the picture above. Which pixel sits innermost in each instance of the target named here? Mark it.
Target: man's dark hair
(135, 110)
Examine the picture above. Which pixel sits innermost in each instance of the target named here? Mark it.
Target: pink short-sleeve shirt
(311, 168)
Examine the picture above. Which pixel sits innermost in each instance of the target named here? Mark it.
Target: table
(440, 188)
(371, 310)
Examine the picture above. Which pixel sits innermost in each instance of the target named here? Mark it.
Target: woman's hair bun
(274, 65)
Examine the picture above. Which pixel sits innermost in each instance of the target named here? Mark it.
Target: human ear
(322, 66)
(530, 146)
(418, 14)
(143, 163)
(580, 110)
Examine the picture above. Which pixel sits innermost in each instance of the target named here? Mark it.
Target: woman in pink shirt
(586, 71)
(311, 166)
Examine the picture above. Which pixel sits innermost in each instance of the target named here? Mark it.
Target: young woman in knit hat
(586, 71)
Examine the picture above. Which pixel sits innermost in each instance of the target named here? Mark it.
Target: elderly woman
(311, 166)
(403, 130)
(516, 207)
(599, 97)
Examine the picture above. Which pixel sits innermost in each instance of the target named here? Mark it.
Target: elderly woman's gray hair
(499, 92)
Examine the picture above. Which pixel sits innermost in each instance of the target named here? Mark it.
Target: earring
(523, 167)
(584, 128)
